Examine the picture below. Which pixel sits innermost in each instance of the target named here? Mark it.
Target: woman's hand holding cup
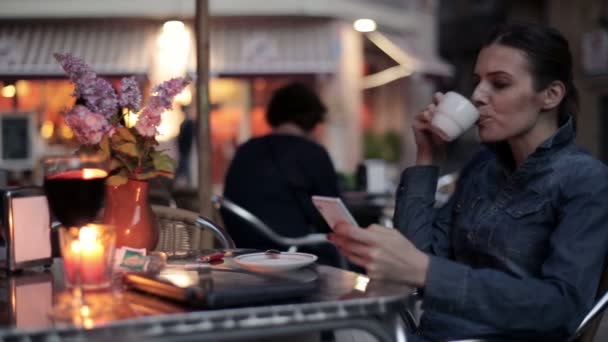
(429, 144)
(449, 116)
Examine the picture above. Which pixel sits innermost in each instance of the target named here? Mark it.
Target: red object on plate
(212, 257)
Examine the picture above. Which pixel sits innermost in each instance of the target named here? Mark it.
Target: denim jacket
(515, 252)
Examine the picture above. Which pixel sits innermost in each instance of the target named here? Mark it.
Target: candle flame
(87, 236)
(76, 247)
(94, 173)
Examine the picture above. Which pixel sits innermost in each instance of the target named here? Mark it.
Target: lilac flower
(150, 117)
(98, 110)
(102, 98)
(89, 127)
(166, 91)
(97, 93)
(78, 72)
(129, 95)
(148, 121)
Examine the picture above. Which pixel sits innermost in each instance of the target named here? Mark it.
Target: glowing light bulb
(365, 25)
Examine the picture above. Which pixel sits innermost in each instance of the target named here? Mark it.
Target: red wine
(75, 197)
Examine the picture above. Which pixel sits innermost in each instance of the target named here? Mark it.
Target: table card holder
(25, 229)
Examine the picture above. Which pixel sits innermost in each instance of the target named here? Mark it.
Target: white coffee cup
(454, 115)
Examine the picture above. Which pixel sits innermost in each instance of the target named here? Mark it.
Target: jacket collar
(562, 137)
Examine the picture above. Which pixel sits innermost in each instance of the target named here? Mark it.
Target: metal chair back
(587, 330)
(311, 239)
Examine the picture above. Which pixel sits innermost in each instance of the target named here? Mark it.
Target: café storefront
(249, 58)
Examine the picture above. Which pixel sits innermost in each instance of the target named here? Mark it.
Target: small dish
(284, 261)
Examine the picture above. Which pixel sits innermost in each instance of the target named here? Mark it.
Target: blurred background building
(371, 82)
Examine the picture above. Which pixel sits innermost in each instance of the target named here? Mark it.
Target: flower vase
(129, 210)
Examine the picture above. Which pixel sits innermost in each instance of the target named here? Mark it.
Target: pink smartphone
(333, 210)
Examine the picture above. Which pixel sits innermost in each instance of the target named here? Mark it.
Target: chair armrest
(257, 224)
(310, 239)
(220, 233)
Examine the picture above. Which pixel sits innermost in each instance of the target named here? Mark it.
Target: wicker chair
(180, 231)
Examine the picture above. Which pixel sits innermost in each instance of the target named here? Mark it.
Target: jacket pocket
(526, 207)
(527, 231)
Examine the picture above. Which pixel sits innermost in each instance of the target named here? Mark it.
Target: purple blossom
(166, 91)
(78, 72)
(98, 105)
(102, 98)
(99, 101)
(150, 117)
(129, 95)
(97, 93)
(148, 121)
(89, 127)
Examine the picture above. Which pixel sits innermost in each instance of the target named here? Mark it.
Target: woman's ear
(552, 95)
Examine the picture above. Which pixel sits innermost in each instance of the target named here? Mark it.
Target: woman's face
(504, 94)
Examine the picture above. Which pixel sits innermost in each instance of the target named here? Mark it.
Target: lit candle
(86, 254)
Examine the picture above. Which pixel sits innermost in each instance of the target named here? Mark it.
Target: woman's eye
(500, 84)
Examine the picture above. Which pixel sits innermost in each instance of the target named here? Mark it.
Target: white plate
(262, 262)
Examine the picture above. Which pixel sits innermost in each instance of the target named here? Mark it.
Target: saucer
(285, 261)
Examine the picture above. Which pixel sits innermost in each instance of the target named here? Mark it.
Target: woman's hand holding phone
(333, 210)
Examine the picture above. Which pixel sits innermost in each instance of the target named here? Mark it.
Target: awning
(111, 48)
(409, 59)
(128, 47)
(272, 47)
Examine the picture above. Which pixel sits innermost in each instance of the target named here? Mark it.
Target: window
(16, 143)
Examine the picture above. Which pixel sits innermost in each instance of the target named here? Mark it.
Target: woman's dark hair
(549, 57)
(295, 103)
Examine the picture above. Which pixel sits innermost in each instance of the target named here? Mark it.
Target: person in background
(185, 140)
(274, 176)
(520, 247)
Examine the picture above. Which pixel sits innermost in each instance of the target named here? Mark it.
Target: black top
(274, 177)
(185, 137)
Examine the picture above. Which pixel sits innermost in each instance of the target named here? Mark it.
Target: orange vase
(128, 209)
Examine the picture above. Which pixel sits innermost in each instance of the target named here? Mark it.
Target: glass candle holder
(87, 254)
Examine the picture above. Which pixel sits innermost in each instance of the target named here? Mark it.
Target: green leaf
(115, 164)
(117, 180)
(166, 174)
(125, 134)
(127, 148)
(154, 174)
(104, 146)
(162, 162)
(126, 162)
(146, 175)
(116, 139)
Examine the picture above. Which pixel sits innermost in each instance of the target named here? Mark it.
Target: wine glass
(74, 186)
